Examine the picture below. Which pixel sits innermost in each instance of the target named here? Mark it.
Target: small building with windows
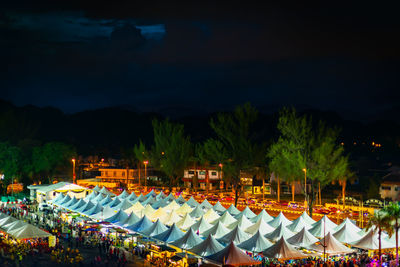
(390, 186)
(214, 178)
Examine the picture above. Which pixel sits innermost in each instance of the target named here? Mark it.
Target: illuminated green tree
(140, 154)
(393, 213)
(234, 134)
(9, 163)
(172, 150)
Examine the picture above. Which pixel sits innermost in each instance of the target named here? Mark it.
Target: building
(390, 186)
(214, 178)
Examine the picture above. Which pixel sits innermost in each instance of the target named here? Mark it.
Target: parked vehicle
(44, 207)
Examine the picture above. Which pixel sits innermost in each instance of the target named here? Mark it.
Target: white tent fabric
(149, 201)
(256, 243)
(96, 189)
(231, 255)
(123, 195)
(135, 208)
(140, 225)
(208, 247)
(104, 201)
(186, 222)
(349, 225)
(236, 236)
(233, 210)
(371, 242)
(218, 230)
(197, 212)
(132, 196)
(64, 200)
(59, 197)
(114, 203)
(218, 208)
(89, 204)
(280, 219)
(132, 218)
(14, 225)
(170, 235)
(328, 221)
(320, 228)
(307, 218)
(7, 220)
(211, 216)
(184, 209)
(157, 228)
(71, 202)
(298, 224)
(105, 191)
(347, 234)
(201, 226)
(279, 232)
(284, 251)
(28, 231)
(242, 222)
(158, 214)
(106, 213)
(120, 216)
(227, 219)
(192, 202)
(302, 239)
(332, 246)
(124, 205)
(206, 205)
(173, 206)
(148, 210)
(96, 209)
(247, 212)
(264, 215)
(180, 200)
(172, 218)
(77, 205)
(188, 241)
(261, 226)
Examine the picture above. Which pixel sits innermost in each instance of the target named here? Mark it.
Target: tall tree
(379, 222)
(393, 212)
(234, 133)
(9, 163)
(172, 149)
(140, 154)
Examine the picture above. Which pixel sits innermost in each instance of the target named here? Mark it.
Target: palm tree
(380, 221)
(393, 212)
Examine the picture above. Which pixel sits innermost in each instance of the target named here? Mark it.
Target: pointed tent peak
(161, 195)
(180, 200)
(307, 218)
(132, 196)
(89, 204)
(186, 222)
(192, 202)
(95, 209)
(105, 201)
(114, 202)
(150, 200)
(77, 205)
(61, 196)
(197, 212)
(158, 214)
(211, 216)
(148, 210)
(302, 239)
(136, 207)
(132, 218)
(227, 219)
(348, 224)
(279, 232)
(96, 189)
(242, 222)
(105, 191)
(173, 206)
(141, 225)
(280, 219)
(331, 246)
(90, 196)
(232, 255)
(209, 246)
(347, 234)
(123, 195)
(217, 207)
(284, 251)
(264, 215)
(329, 223)
(206, 205)
(65, 200)
(218, 230)
(298, 224)
(370, 241)
(156, 228)
(141, 198)
(233, 210)
(172, 218)
(237, 235)
(320, 228)
(189, 240)
(152, 193)
(257, 243)
(170, 197)
(260, 225)
(117, 217)
(201, 226)
(249, 213)
(170, 235)
(184, 209)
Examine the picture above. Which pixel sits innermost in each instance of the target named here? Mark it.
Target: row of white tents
(19, 229)
(206, 229)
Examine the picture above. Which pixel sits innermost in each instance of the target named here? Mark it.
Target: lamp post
(145, 172)
(73, 171)
(305, 189)
(221, 165)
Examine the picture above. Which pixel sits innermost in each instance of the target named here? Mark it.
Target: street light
(305, 188)
(73, 171)
(220, 165)
(145, 172)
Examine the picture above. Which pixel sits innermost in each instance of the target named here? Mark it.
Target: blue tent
(141, 225)
(170, 235)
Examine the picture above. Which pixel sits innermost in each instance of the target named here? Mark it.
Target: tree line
(30, 162)
(303, 150)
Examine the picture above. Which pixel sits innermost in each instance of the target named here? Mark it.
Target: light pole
(305, 189)
(73, 171)
(221, 165)
(145, 173)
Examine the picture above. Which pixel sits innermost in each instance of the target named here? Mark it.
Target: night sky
(84, 55)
